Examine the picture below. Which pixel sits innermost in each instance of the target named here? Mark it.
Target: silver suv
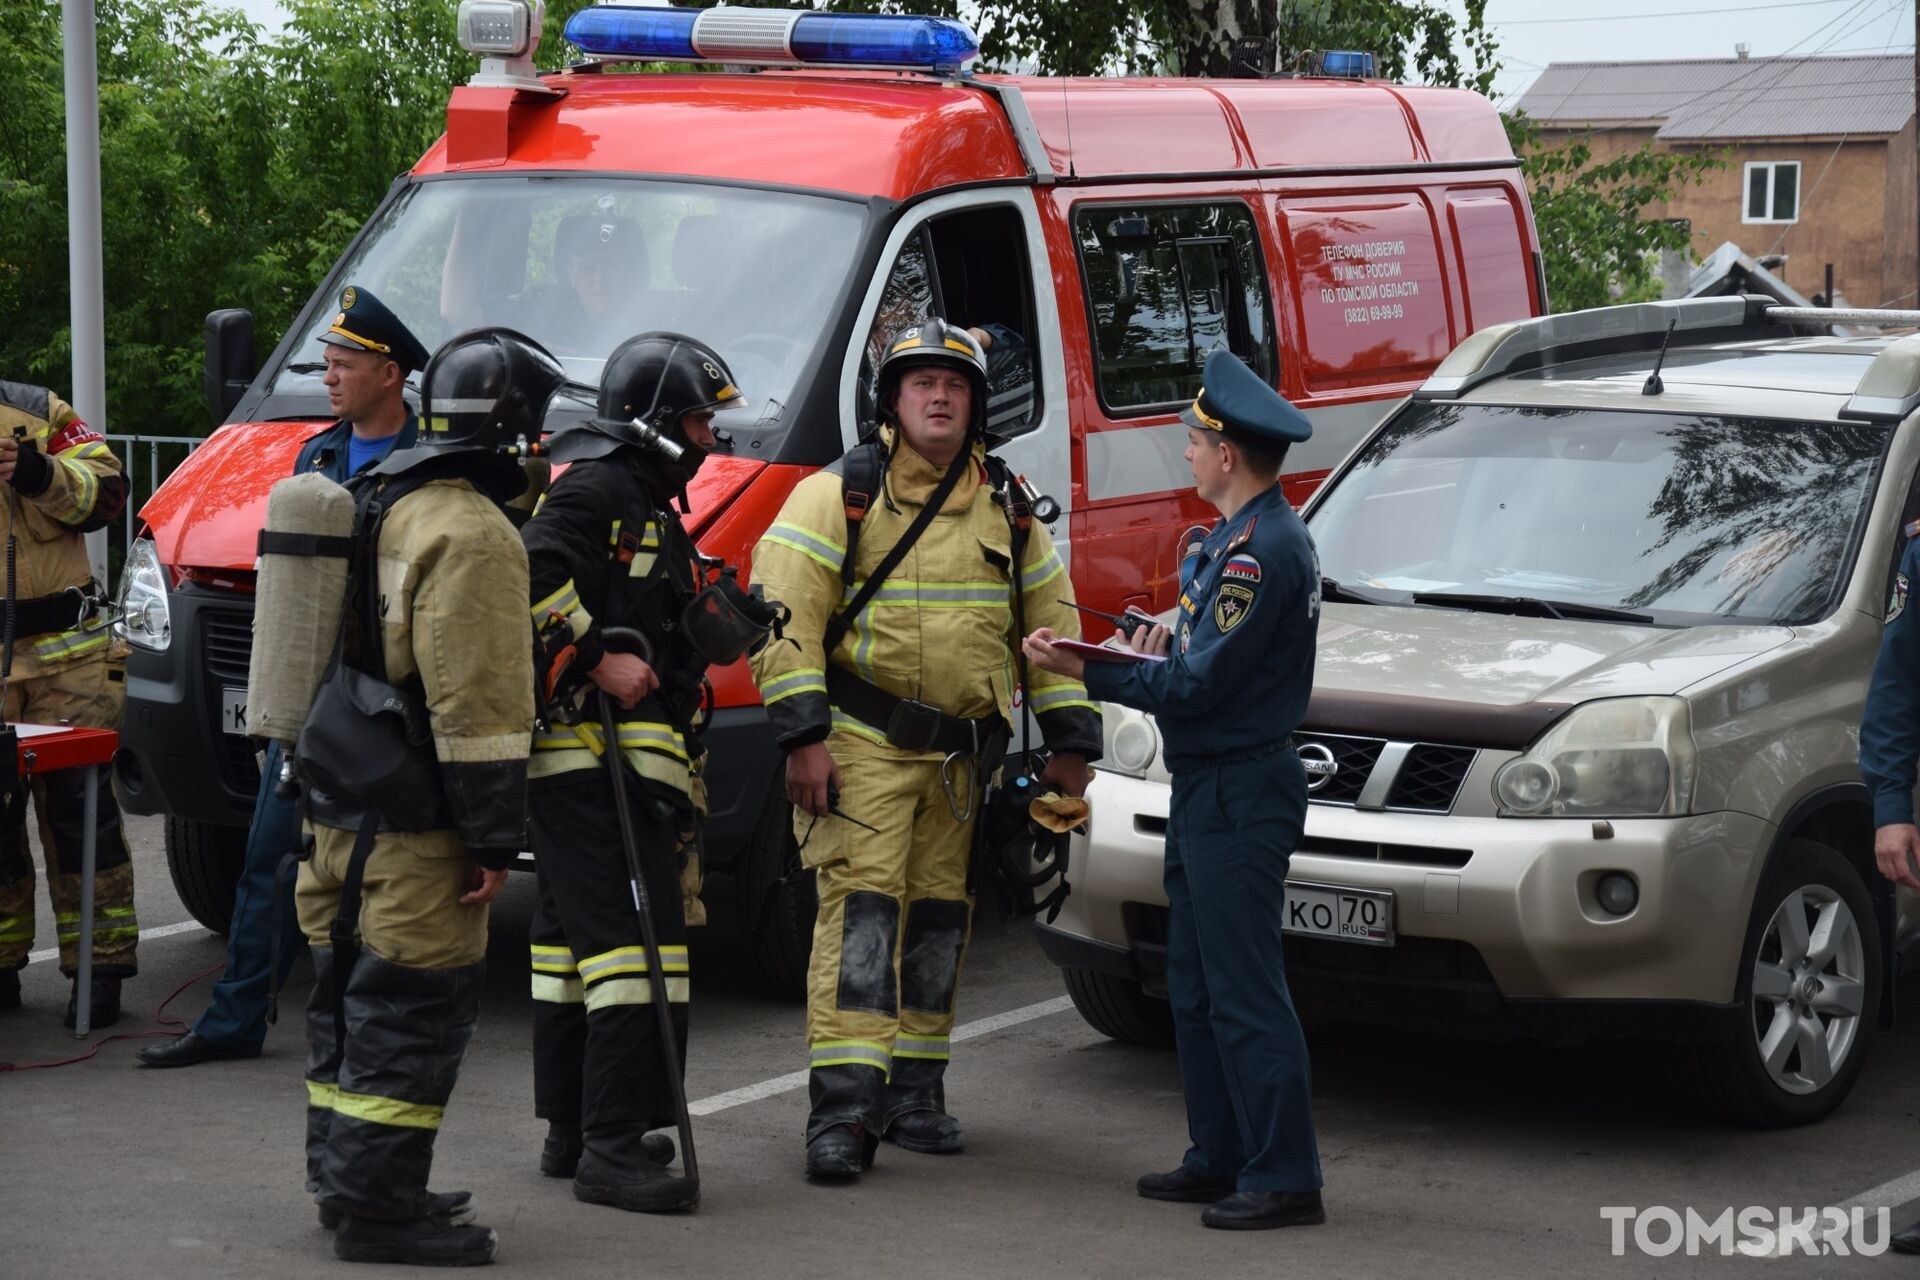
(1601, 604)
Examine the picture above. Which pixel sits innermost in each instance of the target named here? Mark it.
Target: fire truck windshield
(581, 264)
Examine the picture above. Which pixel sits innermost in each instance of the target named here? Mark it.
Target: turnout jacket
(67, 485)
(607, 550)
(940, 630)
(453, 590)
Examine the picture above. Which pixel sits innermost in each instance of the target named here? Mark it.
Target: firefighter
(62, 482)
(369, 355)
(608, 553)
(413, 829)
(892, 705)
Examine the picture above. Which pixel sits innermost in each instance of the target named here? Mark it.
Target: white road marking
(163, 931)
(798, 1079)
(1889, 1195)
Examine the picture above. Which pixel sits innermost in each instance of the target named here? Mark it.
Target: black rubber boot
(620, 1169)
(421, 1242)
(933, 1133)
(105, 1004)
(560, 1155)
(455, 1208)
(840, 1153)
(9, 989)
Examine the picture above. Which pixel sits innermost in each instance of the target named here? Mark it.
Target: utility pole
(84, 273)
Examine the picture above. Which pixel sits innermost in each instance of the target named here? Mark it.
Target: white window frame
(1773, 168)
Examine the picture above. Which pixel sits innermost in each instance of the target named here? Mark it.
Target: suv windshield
(1677, 517)
(582, 264)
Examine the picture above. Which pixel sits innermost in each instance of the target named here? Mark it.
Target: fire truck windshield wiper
(308, 367)
(1340, 593)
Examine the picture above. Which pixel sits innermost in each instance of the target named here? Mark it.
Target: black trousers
(597, 1057)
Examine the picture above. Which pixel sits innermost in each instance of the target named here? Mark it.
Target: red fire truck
(1340, 234)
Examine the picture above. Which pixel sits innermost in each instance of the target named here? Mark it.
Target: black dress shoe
(1263, 1210)
(1906, 1240)
(1184, 1185)
(841, 1153)
(188, 1050)
(105, 1004)
(933, 1133)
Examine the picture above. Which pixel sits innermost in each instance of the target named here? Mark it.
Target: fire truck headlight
(500, 28)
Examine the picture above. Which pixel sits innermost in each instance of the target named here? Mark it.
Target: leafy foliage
(1598, 246)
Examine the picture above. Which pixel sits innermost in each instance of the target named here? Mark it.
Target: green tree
(1600, 247)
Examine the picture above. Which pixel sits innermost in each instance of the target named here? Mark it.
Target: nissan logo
(1317, 759)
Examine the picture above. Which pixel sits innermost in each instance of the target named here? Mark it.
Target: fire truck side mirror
(230, 363)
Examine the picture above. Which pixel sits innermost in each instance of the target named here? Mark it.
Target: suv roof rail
(1502, 349)
(1890, 388)
(1866, 317)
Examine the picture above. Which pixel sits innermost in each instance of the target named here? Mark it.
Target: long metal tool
(625, 639)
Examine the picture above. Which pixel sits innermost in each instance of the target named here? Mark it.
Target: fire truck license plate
(1335, 911)
(233, 710)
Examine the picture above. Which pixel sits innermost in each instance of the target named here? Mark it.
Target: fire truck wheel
(775, 899)
(205, 860)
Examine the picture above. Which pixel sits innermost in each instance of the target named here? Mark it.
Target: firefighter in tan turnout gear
(892, 704)
(61, 482)
(416, 817)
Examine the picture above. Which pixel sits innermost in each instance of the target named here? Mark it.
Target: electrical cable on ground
(165, 1027)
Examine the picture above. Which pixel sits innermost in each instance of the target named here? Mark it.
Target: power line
(1677, 13)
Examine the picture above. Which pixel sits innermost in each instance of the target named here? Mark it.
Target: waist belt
(909, 725)
(61, 611)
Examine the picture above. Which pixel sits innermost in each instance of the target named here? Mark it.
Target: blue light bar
(1347, 63)
(788, 37)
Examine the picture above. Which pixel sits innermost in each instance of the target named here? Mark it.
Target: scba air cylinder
(298, 603)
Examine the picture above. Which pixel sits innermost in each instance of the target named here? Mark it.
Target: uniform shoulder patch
(1897, 603)
(71, 436)
(1241, 566)
(1231, 605)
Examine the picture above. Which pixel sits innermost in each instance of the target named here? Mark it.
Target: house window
(1773, 192)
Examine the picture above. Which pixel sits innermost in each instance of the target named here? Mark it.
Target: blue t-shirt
(361, 452)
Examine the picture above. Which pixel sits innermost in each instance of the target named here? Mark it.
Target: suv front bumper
(1502, 912)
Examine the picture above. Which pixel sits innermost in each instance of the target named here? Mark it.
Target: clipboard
(1104, 653)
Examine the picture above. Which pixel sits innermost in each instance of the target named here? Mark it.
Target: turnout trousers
(896, 911)
(597, 1057)
(90, 694)
(1243, 1058)
(374, 1103)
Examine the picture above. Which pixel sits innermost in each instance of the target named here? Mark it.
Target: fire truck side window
(969, 268)
(1166, 284)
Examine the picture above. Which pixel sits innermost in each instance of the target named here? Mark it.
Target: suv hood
(1488, 679)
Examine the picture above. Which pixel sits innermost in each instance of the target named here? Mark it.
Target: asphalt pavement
(1442, 1158)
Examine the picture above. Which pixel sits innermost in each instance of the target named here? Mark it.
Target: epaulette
(1240, 539)
(1910, 530)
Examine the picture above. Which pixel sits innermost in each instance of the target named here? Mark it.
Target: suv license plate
(1338, 912)
(233, 710)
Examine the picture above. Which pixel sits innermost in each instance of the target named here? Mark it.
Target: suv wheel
(205, 859)
(1809, 988)
(775, 898)
(1119, 1009)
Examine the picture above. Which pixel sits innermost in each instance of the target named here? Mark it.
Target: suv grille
(1427, 781)
(227, 641)
(1353, 759)
(1430, 778)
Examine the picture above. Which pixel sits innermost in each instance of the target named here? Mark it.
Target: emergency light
(777, 37)
(504, 33)
(1348, 64)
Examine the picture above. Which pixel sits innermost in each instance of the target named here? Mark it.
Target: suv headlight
(1130, 741)
(144, 618)
(1616, 758)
